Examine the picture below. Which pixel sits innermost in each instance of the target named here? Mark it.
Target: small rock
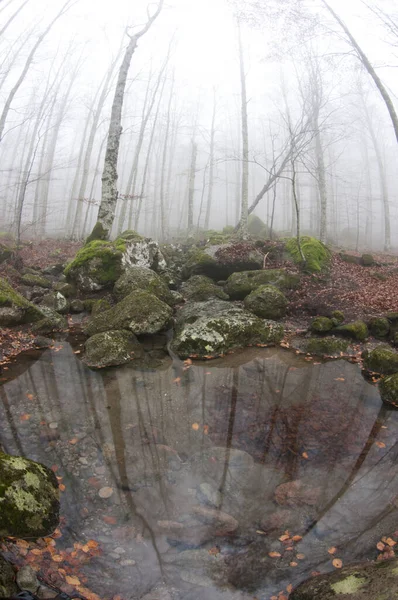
(119, 550)
(53, 425)
(105, 492)
(27, 580)
(127, 562)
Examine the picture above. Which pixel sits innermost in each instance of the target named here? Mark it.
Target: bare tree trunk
(109, 177)
(368, 66)
(191, 188)
(211, 159)
(321, 179)
(10, 20)
(163, 200)
(243, 223)
(28, 62)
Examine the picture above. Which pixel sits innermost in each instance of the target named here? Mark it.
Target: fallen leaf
(340, 379)
(274, 554)
(206, 429)
(57, 558)
(332, 550)
(24, 417)
(92, 544)
(195, 426)
(260, 532)
(283, 538)
(293, 564)
(30, 396)
(297, 538)
(337, 563)
(214, 551)
(380, 546)
(300, 556)
(22, 544)
(105, 492)
(37, 552)
(305, 455)
(62, 487)
(380, 444)
(109, 520)
(390, 542)
(73, 441)
(289, 588)
(177, 380)
(72, 580)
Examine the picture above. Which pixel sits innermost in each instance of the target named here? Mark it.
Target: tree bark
(211, 168)
(109, 194)
(243, 223)
(191, 188)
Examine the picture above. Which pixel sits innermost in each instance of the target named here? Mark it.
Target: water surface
(194, 458)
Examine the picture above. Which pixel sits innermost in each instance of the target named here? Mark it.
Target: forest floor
(360, 292)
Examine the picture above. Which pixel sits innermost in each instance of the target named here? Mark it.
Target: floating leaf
(72, 580)
(289, 588)
(293, 564)
(274, 554)
(30, 396)
(305, 455)
(380, 444)
(332, 550)
(283, 538)
(380, 546)
(297, 538)
(195, 426)
(337, 563)
(92, 544)
(390, 542)
(300, 556)
(62, 487)
(206, 429)
(105, 492)
(340, 379)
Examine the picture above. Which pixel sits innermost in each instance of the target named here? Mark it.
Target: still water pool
(187, 476)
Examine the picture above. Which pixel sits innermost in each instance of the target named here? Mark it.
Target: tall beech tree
(109, 196)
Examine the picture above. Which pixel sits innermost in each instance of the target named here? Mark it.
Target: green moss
(142, 278)
(199, 288)
(321, 325)
(28, 498)
(367, 260)
(98, 233)
(267, 302)
(128, 236)
(240, 285)
(10, 298)
(111, 349)
(379, 327)
(317, 255)
(388, 388)
(199, 263)
(338, 316)
(100, 259)
(35, 280)
(382, 359)
(257, 228)
(327, 346)
(349, 585)
(356, 330)
(100, 306)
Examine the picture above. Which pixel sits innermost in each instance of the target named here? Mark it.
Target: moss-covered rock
(56, 301)
(52, 323)
(199, 288)
(5, 253)
(76, 306)
(388, 388)
(14, 308)
(98, 233)
(141, 278)
(325, 346)
(356, 330)
(366, 581)
(98, 306)
(257, 228)
(338, 317)
(317, 255)
(350, 258)
(35, 280)
(240, 285)
(367, 260)
(321, 325)
(111, 349)
(221, 260)
(382, 359)
(29, 498)
(8, 586)
(379, 327)
(66, 289)
(267, 302)
(210, 329)
(140, 313)
(96, 266)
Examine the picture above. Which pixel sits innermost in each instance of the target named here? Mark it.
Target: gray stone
(27, 580)
(111, 348)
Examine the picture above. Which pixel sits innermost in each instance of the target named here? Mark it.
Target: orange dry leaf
(282, 597)
(332, 550)
(206, 429)
(289, 588)
(22, 544)
(300, 556)
(380, 546)
(109, 520)
(337, 563)
(57, 533)
(283, 538)
(37, 552)
(380, 444)
(177, 380)
(390, 542)
(24, 417)
(87, 593)
(30, 396)
(195, 426)
(214, 551)
(293, 564)
(274, 554)
(85, 549)
(297, 538)
(57, 558)
(72, 580)
(340, 379)
(188, 361)
(62, 487)
(73, 441)
(92, 544)
(305, 455)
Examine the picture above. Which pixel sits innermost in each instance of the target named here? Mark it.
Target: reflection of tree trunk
(231, 424)
(381, 417)
(11, 423)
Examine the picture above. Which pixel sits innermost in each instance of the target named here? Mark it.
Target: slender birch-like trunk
(191, 186)
(109, 195)
(243, 223)
(211, 164)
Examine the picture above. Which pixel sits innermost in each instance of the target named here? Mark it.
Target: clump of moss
(240, 285)
(388, 388)
(35, 280)
(383, 359)
(338, 317)
(102, 260)
(10, 298)
(317, 255)
(379, 327)
(257, 228)
(199, 288)
(100, 306)
(327, 346)
(98, 233)
(367, 260)
(267, 302)
(321, 325)
(356, 330)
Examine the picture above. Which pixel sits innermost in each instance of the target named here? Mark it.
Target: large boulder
(367, 581)
(56, 301)
(322, 325)
(267, 302)
(199, 288)
(240, 285)
(111, 349)
(139, 312)
(142, 278)
(34, 280)
(212, 328)
(8, 586)
(14, 308)
(5, 253)
(99, 264)
(382, 359)
(322, 346)
(257, 228)
(388, 389)
(356, 331)
(220, 261)
(29, 498)
(317, 255)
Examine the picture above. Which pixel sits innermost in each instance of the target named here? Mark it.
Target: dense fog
(321, 141)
